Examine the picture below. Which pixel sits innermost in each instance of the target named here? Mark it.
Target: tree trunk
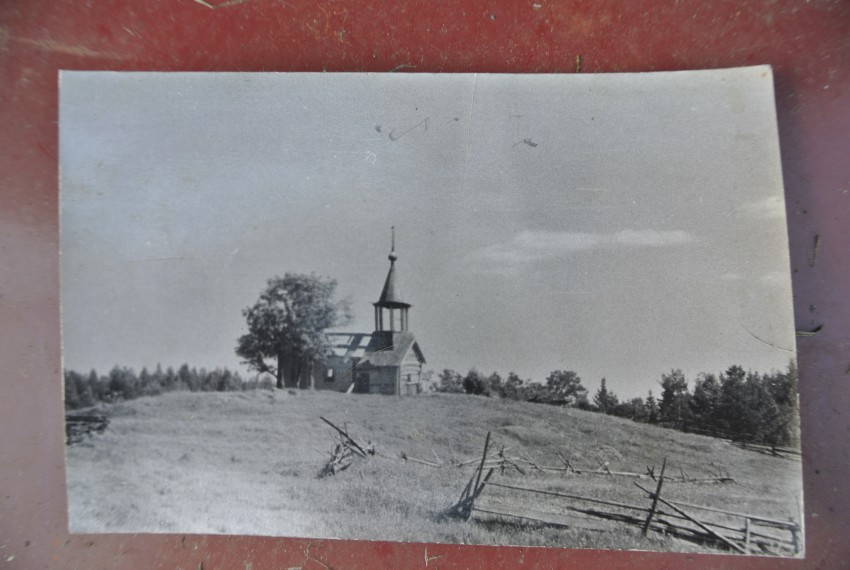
(297, 380)
(279, 371)
(292, 375)
(310, 374)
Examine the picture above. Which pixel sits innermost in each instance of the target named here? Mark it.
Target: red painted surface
(808, 43)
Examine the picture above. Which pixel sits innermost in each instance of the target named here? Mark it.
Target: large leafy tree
(287, 324)
(566, 385)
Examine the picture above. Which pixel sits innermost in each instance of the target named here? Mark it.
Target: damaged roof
(387, 349)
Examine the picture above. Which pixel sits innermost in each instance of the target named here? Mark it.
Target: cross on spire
(393, 256)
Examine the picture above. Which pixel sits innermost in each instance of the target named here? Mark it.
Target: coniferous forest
(122, 383)
(735, 404)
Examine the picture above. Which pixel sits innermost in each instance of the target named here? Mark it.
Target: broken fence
(675, 518)
(344, 450)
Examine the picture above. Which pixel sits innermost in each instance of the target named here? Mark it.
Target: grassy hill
(246, 463)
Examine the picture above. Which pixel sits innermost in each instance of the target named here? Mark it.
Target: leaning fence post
(655, 498)
(475, 488)
(481, 465)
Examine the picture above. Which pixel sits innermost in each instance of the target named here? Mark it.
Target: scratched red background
(808, 44)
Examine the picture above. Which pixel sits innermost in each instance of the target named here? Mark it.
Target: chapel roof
(381, 349)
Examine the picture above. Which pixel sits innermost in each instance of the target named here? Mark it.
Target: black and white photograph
(528, 310)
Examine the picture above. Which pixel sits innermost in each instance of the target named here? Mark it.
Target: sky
(617, 225)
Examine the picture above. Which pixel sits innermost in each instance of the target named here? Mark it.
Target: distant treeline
(82, 391)
(735, 404)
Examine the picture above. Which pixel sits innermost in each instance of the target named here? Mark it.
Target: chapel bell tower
(391, 310)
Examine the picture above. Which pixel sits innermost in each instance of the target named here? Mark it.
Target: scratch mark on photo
(755, 336)
(423, 122)
(529, 142)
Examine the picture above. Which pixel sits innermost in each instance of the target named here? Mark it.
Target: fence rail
(660, 514)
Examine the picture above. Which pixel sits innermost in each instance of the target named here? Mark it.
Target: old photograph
(537, 310)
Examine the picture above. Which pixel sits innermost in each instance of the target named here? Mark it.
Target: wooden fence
(744, 533)
(77, 427)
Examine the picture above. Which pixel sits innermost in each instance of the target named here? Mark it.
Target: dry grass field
(246, 463)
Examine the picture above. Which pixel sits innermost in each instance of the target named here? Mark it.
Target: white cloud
(772, 208)
(529, 246)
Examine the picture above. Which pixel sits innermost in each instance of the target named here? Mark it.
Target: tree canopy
(566, 385)
(287, 326)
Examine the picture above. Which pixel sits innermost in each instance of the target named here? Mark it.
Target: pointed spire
(391, 295)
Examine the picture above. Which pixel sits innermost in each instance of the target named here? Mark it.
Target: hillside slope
(246, 463)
